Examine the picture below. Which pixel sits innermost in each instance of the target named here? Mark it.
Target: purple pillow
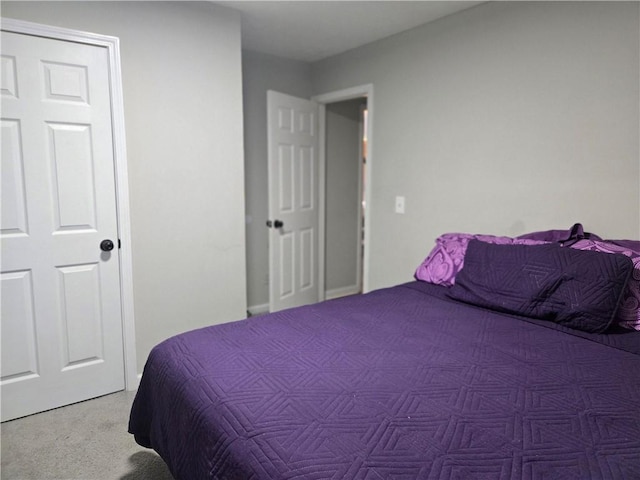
(447, 257)
(574, 288)
(628, 244)
(629, 312)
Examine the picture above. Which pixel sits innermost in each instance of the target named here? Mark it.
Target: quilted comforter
(401, 383)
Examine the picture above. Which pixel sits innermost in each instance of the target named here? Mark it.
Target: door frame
(359, 91)
(112, 44)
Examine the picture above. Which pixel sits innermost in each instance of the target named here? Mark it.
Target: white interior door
(293, 201)
(61, 306)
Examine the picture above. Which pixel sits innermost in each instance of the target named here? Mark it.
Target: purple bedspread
(401, 383)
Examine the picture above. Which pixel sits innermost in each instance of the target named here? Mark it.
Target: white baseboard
(342, 292)
(258, 309)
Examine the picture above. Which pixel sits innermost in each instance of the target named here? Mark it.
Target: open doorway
(297, 256)
(345, 205)
(335, 283)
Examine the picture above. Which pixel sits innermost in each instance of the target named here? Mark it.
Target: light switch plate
(399, 204)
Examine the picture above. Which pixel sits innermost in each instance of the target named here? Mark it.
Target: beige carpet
(85, 441)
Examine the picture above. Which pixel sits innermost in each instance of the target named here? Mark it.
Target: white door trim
(112, 45)
(332, 97)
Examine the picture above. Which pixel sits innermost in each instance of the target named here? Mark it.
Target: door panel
(307, 178)
(307, 254)
(61, 309)
(72, 165)
(14, 206)
(293, 146)
(66, 82)
(19, 344)
(79, 291)
(286, 189)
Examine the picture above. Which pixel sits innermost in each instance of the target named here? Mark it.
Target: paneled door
(61, 307)
(293, 201)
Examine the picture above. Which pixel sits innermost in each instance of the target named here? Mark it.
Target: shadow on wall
(147, 465)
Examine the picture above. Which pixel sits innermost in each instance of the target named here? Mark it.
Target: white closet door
(61, 306)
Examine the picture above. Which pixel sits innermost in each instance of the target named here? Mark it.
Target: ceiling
(309, 30)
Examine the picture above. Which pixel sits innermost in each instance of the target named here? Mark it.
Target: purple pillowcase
(629, 311)
(574, 288)
(447, 257)
(628, 244)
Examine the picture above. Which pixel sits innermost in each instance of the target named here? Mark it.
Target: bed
(408, 382)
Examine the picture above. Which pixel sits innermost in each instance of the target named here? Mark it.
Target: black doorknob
(275, 224)
(106, 245)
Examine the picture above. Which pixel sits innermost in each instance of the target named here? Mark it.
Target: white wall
(342, 197)
(263, 72)
(505, 118)
(181, 64)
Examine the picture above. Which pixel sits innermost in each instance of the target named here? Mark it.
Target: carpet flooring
(84, 441)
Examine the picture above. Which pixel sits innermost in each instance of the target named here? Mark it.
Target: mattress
(401, 383)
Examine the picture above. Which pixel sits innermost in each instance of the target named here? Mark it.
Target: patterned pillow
(629, 311)
(447, 257)
(628, 244)
(575, 288)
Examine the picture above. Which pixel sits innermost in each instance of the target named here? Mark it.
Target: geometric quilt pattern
(401, 383)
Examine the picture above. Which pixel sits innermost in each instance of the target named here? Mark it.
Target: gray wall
(505, 118)
(181, 67)
(509, 117)
(342, 196)
(263, 72)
